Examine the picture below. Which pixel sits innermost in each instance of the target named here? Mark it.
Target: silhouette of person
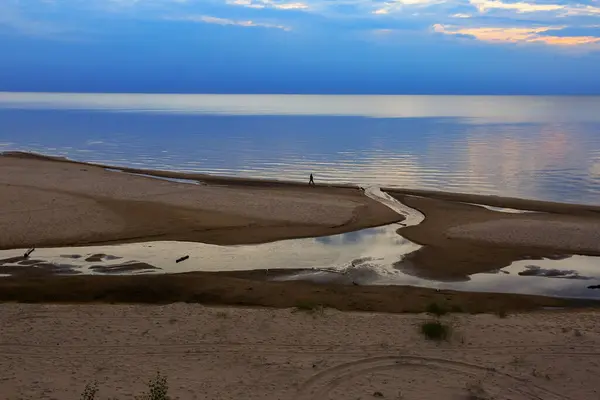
(311, 180)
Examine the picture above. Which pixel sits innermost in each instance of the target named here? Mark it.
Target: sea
(535, 147)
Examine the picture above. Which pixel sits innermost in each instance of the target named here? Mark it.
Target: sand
(51, 203)
(51, 352)
(256, 288)
(54, 202)
(572, 236)
(462, 239)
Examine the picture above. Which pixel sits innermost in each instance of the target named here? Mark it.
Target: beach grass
(435, 330)
(158, 388)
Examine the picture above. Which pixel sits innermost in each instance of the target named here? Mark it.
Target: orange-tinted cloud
(519, 7)
(518, 35)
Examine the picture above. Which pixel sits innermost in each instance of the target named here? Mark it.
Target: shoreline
(104, 207)
(542, 206)
(93, 206)
(256, 289)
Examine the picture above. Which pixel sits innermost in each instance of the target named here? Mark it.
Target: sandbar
(46, 202)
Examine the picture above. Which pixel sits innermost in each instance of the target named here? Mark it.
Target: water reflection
(369, 257)
(583, 275)
(540, 148)
(488, 109)
(380, 244)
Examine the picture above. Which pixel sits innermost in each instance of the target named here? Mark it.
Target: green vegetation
(90, 391)
(435, 330)
(157, 390)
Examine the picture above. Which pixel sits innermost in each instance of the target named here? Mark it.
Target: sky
(301, 46)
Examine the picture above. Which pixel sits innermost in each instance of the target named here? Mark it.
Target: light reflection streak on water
(540, 160)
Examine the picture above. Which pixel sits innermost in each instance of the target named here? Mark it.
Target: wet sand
(461, 239)
(51, 202)
(259, 289)
(51, 352)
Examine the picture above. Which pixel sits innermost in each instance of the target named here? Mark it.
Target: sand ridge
(49, 351)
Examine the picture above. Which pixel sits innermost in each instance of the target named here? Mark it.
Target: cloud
(519, 7)
(583, 10)
(279, 5)
(396, 5)
(459, 15)
(522, 7)
(12, 17)
(487, 20)
(229, 22)
(518, 35)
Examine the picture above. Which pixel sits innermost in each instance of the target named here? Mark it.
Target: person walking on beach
(311, 180)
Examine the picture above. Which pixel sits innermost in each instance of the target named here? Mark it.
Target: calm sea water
(533, 147)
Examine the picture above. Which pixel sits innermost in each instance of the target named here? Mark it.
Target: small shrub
(435, 330)
(90, 391)
(436, 309)
(157, 389)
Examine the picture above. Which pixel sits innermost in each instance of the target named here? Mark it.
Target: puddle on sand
(503, 209)
(575, 276)
(367, 257)
(381, 245)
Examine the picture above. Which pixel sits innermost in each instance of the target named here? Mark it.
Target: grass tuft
(435, 330)
(90, 391)
(157, 389)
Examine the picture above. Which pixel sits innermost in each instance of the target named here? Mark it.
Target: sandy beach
(306, 341)
(50, 352)
(93, 205)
